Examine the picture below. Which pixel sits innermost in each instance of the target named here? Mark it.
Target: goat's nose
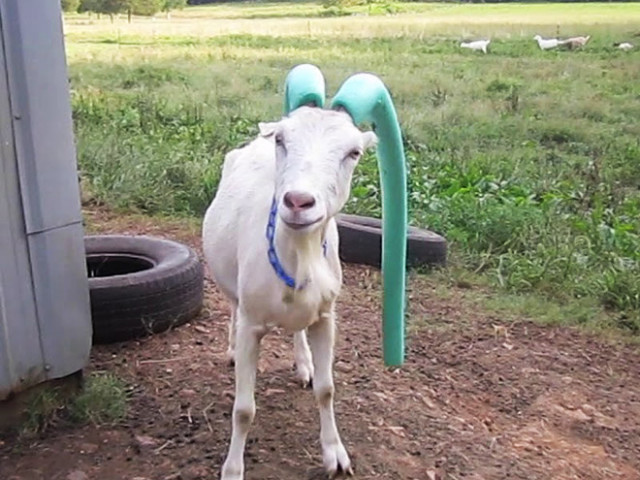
(298, 201)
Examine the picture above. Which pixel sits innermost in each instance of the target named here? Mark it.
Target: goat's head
(316, 152)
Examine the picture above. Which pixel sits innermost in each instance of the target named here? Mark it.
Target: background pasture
(527, 161)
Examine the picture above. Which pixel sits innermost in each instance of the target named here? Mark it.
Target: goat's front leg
(244, 408)
(302, 355)
(321, 340)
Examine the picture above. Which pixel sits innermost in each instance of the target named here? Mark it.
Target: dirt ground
(478, 398)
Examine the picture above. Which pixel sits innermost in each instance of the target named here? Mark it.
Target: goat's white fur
(476, 45)
(546, 43)
(313, 151)
(626, 46)
(575, 42)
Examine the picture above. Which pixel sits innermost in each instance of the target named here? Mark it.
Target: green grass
(101, 401)
(41, 412)
(527, 161)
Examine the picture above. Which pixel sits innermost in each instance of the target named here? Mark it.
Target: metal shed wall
(45, 323)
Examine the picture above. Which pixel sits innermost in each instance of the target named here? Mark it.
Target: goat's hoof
(230, 477)
(336, 461)
(349, 472)
(340, 473)
(305, 376)
(231, 358)
(230, 472)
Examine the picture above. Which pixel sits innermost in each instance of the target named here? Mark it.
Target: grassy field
(527, 161)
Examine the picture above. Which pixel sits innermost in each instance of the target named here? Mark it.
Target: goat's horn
(304, 86)
(365, 97)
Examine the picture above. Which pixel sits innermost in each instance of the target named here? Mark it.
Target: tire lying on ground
(361, 242)
(140, 285)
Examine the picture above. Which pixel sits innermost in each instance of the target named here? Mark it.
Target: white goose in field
(546, 43)
(623, 46)
(476, 45)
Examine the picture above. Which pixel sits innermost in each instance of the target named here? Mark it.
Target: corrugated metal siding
(20, 353)
(45, 325)
(38, 87)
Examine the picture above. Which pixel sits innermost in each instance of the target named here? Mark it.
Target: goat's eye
(279, 140)
(354, 154)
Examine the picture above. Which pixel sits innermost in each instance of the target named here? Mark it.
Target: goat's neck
(303, 257)
(299, 252)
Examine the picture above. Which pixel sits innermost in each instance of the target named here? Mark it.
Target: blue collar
(273, 256)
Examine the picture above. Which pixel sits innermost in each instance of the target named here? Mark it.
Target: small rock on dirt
(187, 393)
(344, 367)
(145, 441)
(434, 474)
(77, 475)
(196, 472)
(88, 448)
(273, 391)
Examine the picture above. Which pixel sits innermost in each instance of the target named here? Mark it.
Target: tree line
(130, 7)
(151, 7)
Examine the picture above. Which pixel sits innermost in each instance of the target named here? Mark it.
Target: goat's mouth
(302, 226)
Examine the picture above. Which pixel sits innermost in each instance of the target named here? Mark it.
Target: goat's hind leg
(231, 347)
(248, 339)
(302, 355)
(321, 340)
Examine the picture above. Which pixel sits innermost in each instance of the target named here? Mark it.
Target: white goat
(626, 46)
(546, 43)
(271, 243)
(575, 42)
(476, 45)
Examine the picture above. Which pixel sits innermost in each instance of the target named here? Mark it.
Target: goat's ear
(369, 140)
(267, 129)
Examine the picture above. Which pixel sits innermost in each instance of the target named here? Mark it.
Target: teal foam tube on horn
(365, 97)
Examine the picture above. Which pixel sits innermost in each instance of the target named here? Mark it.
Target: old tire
(361, 242)
(140, 285)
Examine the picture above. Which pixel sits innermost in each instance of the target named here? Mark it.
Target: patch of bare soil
(477, 398)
